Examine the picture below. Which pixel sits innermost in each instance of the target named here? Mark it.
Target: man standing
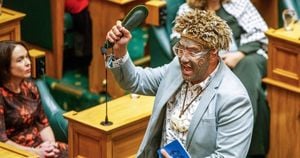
(199, 101)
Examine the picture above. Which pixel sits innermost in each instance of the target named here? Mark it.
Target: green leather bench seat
(54, 113)
(159, 36)
(71, 97)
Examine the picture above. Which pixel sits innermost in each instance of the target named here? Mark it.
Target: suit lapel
(169, 87)
(169, 90)
(207, 96)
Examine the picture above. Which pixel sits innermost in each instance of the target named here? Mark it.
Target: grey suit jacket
(221, 125)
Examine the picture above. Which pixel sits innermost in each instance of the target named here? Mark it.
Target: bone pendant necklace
(179, 121)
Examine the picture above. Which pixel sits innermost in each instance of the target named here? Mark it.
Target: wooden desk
(104, 14)
(9, 151)
(10, 25)
(283, 81)
(87, 138)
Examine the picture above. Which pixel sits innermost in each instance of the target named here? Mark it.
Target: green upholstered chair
(71, 92)
(136, 46)
(54, 113)
(68, 33)
(159, 36)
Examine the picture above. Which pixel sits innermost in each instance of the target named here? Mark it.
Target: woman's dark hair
(6, 49)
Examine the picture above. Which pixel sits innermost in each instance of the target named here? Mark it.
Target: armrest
(157, 12)
(54, 112)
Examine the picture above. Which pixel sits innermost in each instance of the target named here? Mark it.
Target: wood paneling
(9, 151)
(104, 14)
(54, 57)
(10, 25)
(283, 87)
(269, 11)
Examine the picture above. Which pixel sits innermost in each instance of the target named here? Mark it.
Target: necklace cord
(183, 109)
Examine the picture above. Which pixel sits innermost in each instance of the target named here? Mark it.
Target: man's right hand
(165, 153)
(120, 36)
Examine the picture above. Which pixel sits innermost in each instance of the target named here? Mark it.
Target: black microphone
(133, 19)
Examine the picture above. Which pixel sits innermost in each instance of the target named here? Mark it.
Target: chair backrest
(54, 113)
(159, 37)
(36, 27)
(172, 8)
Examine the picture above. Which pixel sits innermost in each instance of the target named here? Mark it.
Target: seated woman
(23, 122)
(247, 58)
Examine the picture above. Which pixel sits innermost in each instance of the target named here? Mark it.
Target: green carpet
(71, 92)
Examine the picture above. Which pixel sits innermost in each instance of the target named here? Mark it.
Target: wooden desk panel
(8, 151)
(284, 55)
(87, 138)
(283, 87)
(10, 25)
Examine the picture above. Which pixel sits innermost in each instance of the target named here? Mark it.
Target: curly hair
(205, 28)
(6, 50)
(201, 4)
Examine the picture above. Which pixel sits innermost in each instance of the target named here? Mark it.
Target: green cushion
(54, 113)
(71, 92)
(136, 46)
(159, 37)
(172, 8)
(159, 46)
(68, 21)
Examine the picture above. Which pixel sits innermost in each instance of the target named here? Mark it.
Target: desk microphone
(133, 19)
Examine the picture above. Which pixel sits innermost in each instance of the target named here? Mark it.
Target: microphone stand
(106, 122)
(134, 18)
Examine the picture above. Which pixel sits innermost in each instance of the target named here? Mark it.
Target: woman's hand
(120, 36)
(232, 59)
(47, 149)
